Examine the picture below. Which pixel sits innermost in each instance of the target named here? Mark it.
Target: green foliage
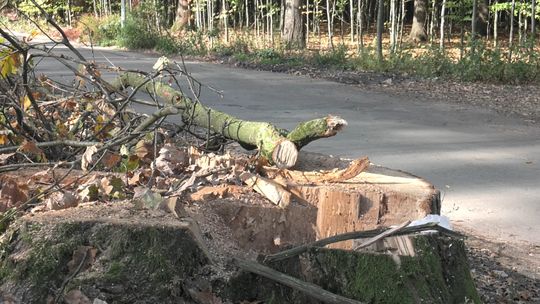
(136, 35)
(336, 57)
(100, 31)
(167, 45)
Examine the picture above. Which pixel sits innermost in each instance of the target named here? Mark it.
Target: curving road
(486, 165)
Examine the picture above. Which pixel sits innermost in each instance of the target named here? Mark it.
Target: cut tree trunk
(118, 253)
(293, 29)
(277, 146)
(418, 31)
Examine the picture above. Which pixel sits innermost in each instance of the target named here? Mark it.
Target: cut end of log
(335, 124)
(285, 154)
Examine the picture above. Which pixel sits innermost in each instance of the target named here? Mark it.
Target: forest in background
(472, 40)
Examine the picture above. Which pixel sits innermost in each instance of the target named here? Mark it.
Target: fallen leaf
(4, 139)
(111, 159)
(171, 159)
(144, 149)
(11, 195)
(5, 157)
(112, 187)
(146, 198)
(26, 103)
(89, 193)
(59, 200)
(87, 157)
(30, 147)
(134, 180)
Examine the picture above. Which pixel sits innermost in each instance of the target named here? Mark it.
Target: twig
(71, 143)
(310, 289)
(285, 254)
(59, 293)
(382, 235)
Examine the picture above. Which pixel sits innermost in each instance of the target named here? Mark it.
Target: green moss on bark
(145, 264)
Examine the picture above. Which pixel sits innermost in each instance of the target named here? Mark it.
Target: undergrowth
(478, 63)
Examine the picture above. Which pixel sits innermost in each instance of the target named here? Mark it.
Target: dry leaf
(144, 149)
(171, 159)
(59, 200)
(4, 139)
(89, 193)
(146, 198)
(26, 103)
(110, 160)
(87, 157)
(30, 147)
(5, 157)
(76, 296)
(11, 195)
(113, 187)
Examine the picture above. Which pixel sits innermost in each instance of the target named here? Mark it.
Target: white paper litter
(441, 220)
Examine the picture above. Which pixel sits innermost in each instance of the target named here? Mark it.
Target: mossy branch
(278, 146)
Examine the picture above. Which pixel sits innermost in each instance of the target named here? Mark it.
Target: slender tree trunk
(360, 23)
(393, 31)
(307, 22)
(441, 40)
(511, 36)
(95, 8)
(122, 12)
(482, 17)
(495, 23)
(432, 22)
(329, 25)
(225, 15)
(293, 29)
(473, 24)
(418, 32)
(69, 13)
(351, 15)
(380, 29)
(533, 21)
(402, 21)
(520, 24)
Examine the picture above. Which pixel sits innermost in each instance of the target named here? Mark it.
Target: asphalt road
(486, 165)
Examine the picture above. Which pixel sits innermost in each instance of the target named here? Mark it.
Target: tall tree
(380, 28)
(293, 29)
(183, 14)
(533, 20)
(418, 31)
(441, 41)
(482, 17)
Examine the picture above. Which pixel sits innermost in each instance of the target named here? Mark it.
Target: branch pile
(70, 132)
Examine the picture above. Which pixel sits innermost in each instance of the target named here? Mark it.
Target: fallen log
(278, 146)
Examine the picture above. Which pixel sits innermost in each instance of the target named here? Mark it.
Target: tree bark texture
(418, 31)
(482, 17)
(278, 146)
(293, 30)
(380, 28)
(183, 14)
